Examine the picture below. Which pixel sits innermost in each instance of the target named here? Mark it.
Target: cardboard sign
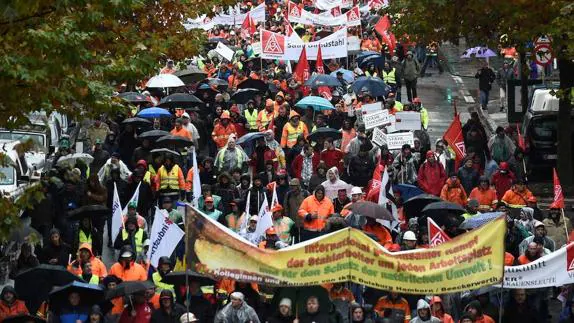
(397, 140)
(371, 107)
(225, 51)
(353, 43)
(379, 137)
(391, 126)
(375, 119)
(256, 47)
(408, 120)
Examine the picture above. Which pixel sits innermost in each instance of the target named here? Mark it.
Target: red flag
(383, 25)
(436, 234)
(558, 195)
(288, 29)
(248, 26)
(319, 64)
(336, 11)
(521, 143)
(453, 136)
(301, 73)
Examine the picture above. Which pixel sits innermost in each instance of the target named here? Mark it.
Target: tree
(483, 22)
(68, 55)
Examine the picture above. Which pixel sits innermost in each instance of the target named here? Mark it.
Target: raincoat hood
(335, 171)
(293, 114)
(476, 305)
(8, 289)
(422, 304)
(528, 212)
(88, 247)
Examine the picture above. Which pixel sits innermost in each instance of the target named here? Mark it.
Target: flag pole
(564, 220)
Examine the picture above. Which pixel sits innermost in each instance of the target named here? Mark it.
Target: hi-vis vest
(156, 277)
(138, 238)
(84, 238)
(169, 180)
(389, 77)
(94, 280)
(293, 133)
(251, 118)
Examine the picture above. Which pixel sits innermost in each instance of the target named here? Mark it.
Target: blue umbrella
(479, 220)
(373, 84)
(349, 76)
(153, 113)
(316, 102)
(366, 54)
(249, 137)
(317, 80)
(407, 191)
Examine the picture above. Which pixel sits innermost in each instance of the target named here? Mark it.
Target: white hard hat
(188, 318)
(409, 236)
(356, 190)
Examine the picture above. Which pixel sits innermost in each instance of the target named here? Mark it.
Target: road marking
(468, 99)
(463, 91)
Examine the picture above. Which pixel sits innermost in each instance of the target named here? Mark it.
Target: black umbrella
(325, 132)
(205, 89)
(35, 284)
(191, 75)
(179, 278)
(444, 206)
(129, 288)
(23, 318)
(253, 84)
(249, 137)
(133, 97)
(180, 100)
(215, 81)
(152, 135)
(413, 206)
(137, 122)
(95, 211)
(371, 210)
(172, 141)
(164, 151)
(241, 96)
(318, 80)
(90, 294)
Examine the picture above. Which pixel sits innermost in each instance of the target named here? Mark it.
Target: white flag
(245, 222)
(196, 181)
(134, 198)
(382, 192)
(265, 220)
(165, 235)
(117, 219)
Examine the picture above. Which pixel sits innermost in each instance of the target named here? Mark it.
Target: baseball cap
(356, 190)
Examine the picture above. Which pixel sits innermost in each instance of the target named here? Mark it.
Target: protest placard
(398, 139)
(372, 107)
(224, 51)
(408, 120)
(379, 137)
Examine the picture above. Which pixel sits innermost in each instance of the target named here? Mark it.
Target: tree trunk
(566, 67)
(524, 74)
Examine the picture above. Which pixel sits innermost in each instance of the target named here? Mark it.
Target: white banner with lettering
(165, 235)
(398, 139)
(206, 23)
(332, 46)
(330, 4)
(555, 269)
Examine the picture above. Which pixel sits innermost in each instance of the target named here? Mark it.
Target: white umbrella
(71, 159)
(165, 80)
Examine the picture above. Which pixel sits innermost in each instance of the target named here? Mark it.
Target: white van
(17, 173)
(544, 101)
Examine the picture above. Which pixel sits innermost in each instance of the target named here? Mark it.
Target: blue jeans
(484, 98)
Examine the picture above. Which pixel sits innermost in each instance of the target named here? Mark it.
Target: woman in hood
(527, 219)
(333, 184)
(437, 310)
(424, 313)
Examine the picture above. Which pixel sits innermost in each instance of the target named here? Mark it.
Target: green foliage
(69, 55)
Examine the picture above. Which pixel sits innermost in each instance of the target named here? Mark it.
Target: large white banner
(302, 16)
(397, 140)
(330, 4)
(277, 46)
(165, 235)
(206, 23)
(555, 269)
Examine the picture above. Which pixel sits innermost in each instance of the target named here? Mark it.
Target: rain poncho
(333, 187)
(104, 172)
(229, 314)
(527, 218)
(422, 304)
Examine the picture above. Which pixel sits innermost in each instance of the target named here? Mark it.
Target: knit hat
(286, 302)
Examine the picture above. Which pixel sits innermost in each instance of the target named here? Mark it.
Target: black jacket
(314, 318)
(62, 253)
(278, 318)
(485, 78)
(361, 170)
(161, 316)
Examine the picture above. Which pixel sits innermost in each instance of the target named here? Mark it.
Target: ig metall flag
(165, 235)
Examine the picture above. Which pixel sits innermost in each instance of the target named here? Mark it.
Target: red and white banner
(374, 5)
(278, 46)
(165, 235)
(233, 19)
(330, 4)
(327, 18)
(353, 17)
(555, 269)
(436, 234)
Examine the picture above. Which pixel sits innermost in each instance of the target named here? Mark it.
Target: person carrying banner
(314, 211)
(131, 235)
(556, 226)
(398, 306)
(132, 212)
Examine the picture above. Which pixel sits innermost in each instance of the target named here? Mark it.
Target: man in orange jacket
(126, 268)
(453, 191)
(10, 305)
(314, 212)
(394, 301)
(179, 130)
(222, 130)
(485, 195)
(517, 195)
(85, 255)
(266, 115)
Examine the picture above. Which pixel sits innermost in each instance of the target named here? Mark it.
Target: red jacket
(18, 307)
(297, 165)
(333, 158)
(143, 314)
(431, 178)
(502, 183)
